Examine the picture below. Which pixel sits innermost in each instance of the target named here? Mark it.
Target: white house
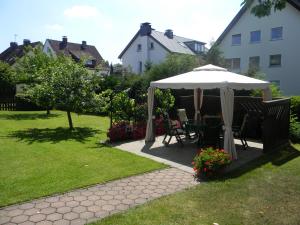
(149, 45)
(77, 51)
(270, 44)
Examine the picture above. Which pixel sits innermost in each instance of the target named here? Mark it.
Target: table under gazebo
(204, 78)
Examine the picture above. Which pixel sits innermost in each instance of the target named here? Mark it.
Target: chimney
(83, 45)
(26, 42)
(64, 42)
(145, 29)
(13, 44)
(169, 33)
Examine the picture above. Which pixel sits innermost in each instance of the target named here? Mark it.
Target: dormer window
(90, 62)
(139, 47)
(198, 47)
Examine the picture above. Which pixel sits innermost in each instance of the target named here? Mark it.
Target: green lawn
(39, 155)
(265, 192)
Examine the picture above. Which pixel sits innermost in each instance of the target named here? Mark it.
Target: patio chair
(172, 130)
(184, 122)
(240, 131)
(213, 132)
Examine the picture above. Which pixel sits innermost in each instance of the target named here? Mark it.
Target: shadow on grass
(79, 134)
(28, 116)
(278, 158)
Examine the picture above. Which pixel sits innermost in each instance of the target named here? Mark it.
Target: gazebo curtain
(227, 101)
(198, 99)
(150, 136)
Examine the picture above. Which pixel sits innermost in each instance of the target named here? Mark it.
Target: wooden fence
(17, 104)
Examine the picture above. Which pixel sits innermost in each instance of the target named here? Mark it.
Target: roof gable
(76, 51)
(12, 53)
(294, 3)
(173, 45)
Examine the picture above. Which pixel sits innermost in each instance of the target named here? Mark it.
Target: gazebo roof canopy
(210, 77)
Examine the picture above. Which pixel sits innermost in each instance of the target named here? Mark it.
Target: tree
(72, 85)
(173, 65)
(6, 75)
(57, 81)
(35, 69)
(214, 56)
(264, 7)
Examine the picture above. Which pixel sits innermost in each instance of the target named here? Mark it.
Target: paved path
(96, 202)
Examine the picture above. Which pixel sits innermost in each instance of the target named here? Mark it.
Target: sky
(110, 24)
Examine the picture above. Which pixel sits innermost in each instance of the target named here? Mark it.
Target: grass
(266, 191)
(40, 156)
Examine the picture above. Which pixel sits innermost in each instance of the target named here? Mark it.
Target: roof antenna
(15, 35)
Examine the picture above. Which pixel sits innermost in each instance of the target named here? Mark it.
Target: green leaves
(264, 7)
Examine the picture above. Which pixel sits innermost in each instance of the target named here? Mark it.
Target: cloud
(81, 11)
(54, 27)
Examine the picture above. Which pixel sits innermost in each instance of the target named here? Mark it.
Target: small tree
(72, 86)
(7, 77)
(214, 56)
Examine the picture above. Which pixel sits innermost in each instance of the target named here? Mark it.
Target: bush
(294, 129)
(164, 101)
(295, 106)
(209, 162)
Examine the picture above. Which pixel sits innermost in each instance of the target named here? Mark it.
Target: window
(151, 45)
(276, 33)
(275, 60)
(90, 62)
(140, 67)
(233, 64)
(198, 47)
(236, 39)
(139, 47)
(255, 36)
(254, 62)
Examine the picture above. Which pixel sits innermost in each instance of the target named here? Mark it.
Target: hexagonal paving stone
(122, 207)
(31, 212)
(27, 223)
(61, 222)
(26, 206)
(15, 212)
(94, 208)
(94, 197)
(108, 207)
(19, 219)
(127, 201)
(80, 198)
(57, 204)
(87, 193)
(86, 215)
(107, 197)
(79, 209)
(44, 223)
(86, 203)
(64, 209)
(77, 222)
(52, 199)
(113, 202)
(72, 203)
(48, 210)
(71, 216)
(54, 217)
(66, 198)
(37, 218)
(42, 205)
(4, 219)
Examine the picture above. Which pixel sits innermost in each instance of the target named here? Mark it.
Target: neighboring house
(78, 51)
(151, 46)
(270, 44)
(15, 51)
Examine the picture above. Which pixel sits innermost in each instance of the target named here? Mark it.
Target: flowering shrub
(139, 130)
(209, 162)
(119, 131)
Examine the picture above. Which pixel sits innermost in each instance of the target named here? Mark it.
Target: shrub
(119, 132)
(164, 101)
(295, 106)
(209, 162)
(294, 129)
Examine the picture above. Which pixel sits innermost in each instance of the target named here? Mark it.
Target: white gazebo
(208, 77)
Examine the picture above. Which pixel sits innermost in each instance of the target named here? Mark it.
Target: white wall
(288, 47)
(132, 57)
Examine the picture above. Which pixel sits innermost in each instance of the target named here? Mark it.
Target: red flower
(193, 163)
(194, 168)
(205, 169)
